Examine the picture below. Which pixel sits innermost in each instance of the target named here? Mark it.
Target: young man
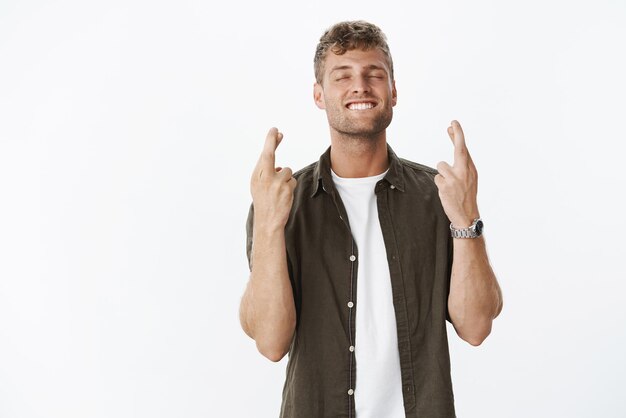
(351, 258)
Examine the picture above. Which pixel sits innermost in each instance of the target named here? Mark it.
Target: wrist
(463, 222)
(268, 229)
(474, 230)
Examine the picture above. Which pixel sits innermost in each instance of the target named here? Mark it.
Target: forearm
(475, 297)
(268, 308)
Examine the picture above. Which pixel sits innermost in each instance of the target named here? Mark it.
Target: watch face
(479, 227)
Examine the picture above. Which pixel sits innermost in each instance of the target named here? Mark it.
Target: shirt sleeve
(249, 227)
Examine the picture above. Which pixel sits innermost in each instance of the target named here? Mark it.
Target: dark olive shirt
(322, 258)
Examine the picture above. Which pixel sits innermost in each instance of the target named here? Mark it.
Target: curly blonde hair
(346, 36)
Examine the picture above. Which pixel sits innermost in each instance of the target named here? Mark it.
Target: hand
(458, 184)
(271, 187)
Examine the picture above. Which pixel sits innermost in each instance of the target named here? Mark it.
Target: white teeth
(360, 106)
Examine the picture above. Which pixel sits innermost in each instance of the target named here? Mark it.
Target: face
(357, 93)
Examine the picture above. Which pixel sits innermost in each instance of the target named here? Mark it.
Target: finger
(438, 180)
(285, 172)
(458, 138)
(292, 183)
(469, 157)
(268, 155)
(444, 169)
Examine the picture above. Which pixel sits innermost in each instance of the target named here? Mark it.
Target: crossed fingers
(266, 165)
(462, 159)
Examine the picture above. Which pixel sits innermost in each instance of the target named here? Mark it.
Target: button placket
(400, 302)
(350, 304)
(352, 257)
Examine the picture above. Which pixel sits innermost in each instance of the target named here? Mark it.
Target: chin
(367, 134)
(366, 127)
(365, 131)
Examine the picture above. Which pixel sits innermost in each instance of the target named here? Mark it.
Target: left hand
(458, 184)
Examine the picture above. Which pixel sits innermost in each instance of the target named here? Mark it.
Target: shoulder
(305, 178)
(305, 171)
(418, 177)
(417, 167)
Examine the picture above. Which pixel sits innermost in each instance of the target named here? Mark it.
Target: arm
(475, 298)
(267, 310)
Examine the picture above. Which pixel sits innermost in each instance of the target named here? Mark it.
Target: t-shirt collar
(322, 179)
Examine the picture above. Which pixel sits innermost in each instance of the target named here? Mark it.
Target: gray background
(128, 133)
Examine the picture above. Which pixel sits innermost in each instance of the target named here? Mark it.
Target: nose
(360, 85)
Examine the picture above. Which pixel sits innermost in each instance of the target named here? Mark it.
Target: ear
(318, 95)
(394, 93)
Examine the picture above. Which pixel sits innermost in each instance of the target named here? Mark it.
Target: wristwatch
(473, 231)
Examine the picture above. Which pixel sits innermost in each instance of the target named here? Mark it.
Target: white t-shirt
(378, 386)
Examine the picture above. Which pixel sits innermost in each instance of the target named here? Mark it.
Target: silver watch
(473, 231)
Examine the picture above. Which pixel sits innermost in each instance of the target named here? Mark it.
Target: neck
(354, 157)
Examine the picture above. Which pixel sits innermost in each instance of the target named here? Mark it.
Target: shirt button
(392, 186)
(350, 392)
(350, 304)
(351, 348)
(352, 257)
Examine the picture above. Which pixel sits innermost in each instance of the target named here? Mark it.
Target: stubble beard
(365, 131)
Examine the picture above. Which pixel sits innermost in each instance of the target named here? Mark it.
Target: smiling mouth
(361, 106)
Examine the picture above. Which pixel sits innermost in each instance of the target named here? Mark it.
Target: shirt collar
(322, 179)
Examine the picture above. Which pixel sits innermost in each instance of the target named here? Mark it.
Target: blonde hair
(346, 36)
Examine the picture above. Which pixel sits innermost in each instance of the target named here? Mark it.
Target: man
(351, 258)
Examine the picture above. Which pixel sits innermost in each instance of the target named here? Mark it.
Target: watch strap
(470, 232)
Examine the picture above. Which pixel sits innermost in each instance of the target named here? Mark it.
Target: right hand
(271, 187)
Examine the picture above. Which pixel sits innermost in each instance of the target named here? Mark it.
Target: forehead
(356, 59)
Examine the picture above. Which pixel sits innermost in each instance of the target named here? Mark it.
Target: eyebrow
(347, 67)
